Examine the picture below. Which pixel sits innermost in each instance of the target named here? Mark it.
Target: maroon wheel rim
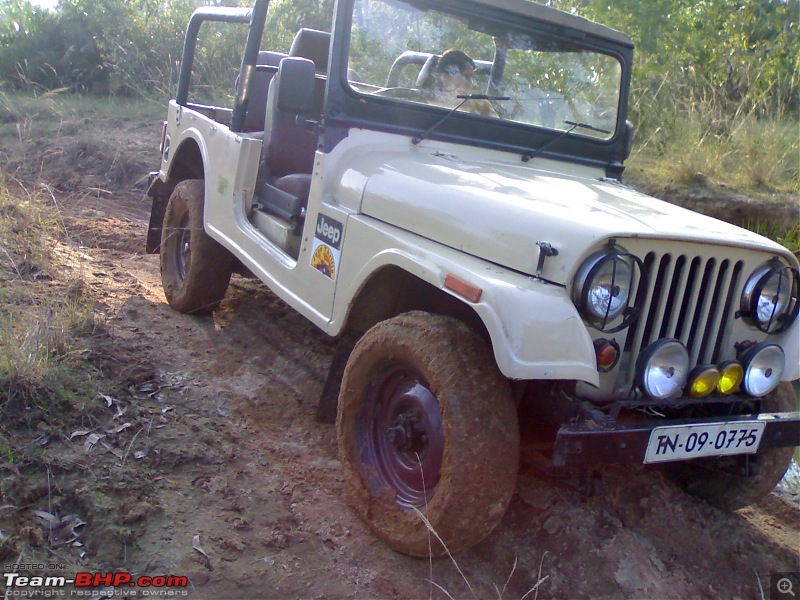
(180, 241)
(402, 436)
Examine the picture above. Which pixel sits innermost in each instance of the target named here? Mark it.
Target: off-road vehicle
(486, 270)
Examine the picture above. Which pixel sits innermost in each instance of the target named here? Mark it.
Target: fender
(546, 337)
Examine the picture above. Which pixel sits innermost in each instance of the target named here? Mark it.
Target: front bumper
(590, 443)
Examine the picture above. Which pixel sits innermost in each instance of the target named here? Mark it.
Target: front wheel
(426, 426)
(718, 480)
(195, 269)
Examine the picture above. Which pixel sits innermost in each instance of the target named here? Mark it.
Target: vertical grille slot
(678, 293)
(642, 302)
(714, 314)
(701, 309)
(689, 299)
(664, 274)
(726, 312)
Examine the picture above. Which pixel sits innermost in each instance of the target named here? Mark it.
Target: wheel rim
(402, 438)
(183, 248)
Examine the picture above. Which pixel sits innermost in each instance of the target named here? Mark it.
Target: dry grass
(500, 593)
(43, 311)
(743, 153)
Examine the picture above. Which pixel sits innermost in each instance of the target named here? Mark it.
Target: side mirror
(295, 85)
(629, 131)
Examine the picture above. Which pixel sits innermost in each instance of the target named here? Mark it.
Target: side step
(277, 231)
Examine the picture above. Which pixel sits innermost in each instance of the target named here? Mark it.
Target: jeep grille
(689, 298)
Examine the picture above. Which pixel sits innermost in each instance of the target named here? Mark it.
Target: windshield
(416, 55)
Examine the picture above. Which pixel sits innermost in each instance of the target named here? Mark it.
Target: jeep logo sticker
(329, 231)
(325, 252)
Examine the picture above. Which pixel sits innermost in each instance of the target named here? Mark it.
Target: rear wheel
(427, 426)
(721, 482)
(195, 269)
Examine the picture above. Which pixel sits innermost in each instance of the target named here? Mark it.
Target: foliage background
(713, 78)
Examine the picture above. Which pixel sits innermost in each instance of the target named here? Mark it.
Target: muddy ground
(213, 467)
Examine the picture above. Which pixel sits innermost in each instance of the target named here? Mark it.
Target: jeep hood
(498, 212)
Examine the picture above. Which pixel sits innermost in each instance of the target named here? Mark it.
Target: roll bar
(255, 16)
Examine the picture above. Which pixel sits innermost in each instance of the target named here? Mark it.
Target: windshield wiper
(464, 99)
(531, 154)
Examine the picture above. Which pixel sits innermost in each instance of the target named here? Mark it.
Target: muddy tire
(426, 424)
(715, 479)
(195, 269)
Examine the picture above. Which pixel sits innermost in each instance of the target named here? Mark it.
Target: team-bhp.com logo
(18, 585)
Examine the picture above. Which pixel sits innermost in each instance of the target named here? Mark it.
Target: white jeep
(480, 260)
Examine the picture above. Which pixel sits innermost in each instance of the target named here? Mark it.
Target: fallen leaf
(115, 451)
(62, 530)
(196, 545)
(79, 432)
(12, 468)
(140, 454)
(91, 441)
(122, 427)
(47, 520)
(108, 399)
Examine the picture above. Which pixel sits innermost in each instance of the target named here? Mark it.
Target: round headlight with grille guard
(602, 287)
(769, 299)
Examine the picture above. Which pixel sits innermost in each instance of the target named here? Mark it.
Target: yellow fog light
(702, 381)
(731, 375)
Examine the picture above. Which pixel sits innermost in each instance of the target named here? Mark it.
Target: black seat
(290, 142)
(266, 68)
(313, 45)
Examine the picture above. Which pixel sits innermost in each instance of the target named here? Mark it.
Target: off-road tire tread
(481, 456)
(211, 265)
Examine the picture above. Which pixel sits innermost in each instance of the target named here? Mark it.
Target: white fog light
(763, 367)
(662, 369)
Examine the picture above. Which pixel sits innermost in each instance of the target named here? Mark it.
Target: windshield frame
(347, 108)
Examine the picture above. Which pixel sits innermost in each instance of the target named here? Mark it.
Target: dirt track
(223, 445)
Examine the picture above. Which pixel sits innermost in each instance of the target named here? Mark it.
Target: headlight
(662, 369)
(763, 367)
(602, 287)
(769, 298)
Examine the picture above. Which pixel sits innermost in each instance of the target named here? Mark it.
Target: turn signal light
(607, 353)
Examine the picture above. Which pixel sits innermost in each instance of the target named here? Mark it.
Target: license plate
(682, 442)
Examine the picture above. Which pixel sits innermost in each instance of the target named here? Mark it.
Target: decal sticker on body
(325, 253)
